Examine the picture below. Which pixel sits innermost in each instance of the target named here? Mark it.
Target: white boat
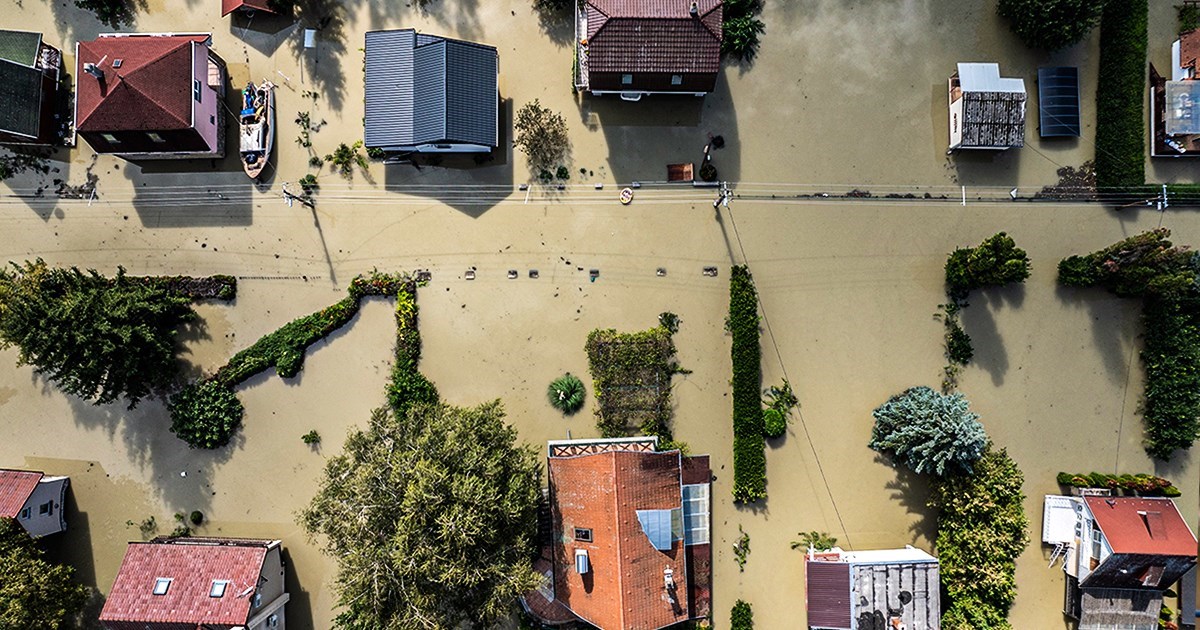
(257, 122)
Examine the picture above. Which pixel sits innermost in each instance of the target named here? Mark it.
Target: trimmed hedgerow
(749, 456)
(1149, 266)
(1120, 124)
(1145, 485)
(981, 531)
(408, 386)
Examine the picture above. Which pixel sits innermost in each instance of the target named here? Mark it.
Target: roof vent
(93, 70)
(694, 10)
(581, 561)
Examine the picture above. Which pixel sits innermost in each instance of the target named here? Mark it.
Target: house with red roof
(629, 543)
(34, 500)
(1119, 555)
(151, 96)
(638, 47)
(246, 6)
(198, 583)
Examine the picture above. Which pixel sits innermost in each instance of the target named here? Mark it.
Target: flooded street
(843, 94)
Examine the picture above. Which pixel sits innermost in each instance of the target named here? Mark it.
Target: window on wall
(626, 79)
(1097, 541)
(46, 508)
(26, 513)
(109, 138)
(676, 79)
(583, 535)
(156, 137)
(196, 86)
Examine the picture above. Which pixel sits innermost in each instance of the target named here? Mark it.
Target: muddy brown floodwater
(843, 94)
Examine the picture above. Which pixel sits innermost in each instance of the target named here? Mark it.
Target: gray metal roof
(985, 77)
(993, 119)
(423, 89)
(1058, 101)
(20, 99)
(907, 591)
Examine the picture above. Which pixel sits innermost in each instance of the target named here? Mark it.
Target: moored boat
(257, 122)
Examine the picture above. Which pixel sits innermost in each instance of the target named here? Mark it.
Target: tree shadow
(979, 322)
(468, 184)
(321, 66)
(558, 26)
(75, 24)
(189, 333)
(912, 491)
(37, 190)
(261, 31)
(1106, 317)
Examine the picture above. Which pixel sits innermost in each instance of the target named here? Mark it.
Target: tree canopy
(34, 593)
(94, 337)
(929, 432)
(431, 517)
(997, 261)
(1051, 24)
(542, 134)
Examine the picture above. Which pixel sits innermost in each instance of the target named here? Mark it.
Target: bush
(1189, 17)
(631, 376)
(566, 393)
(708, 172)
(741, 617)
(345, 157)
(408, 386)
(997, 261)
(981, 531)
(774, 423)
(1142, 484)
(1143, 264)
(196, 517)
(749, 457)
(1171, 358)
(1051, 24)
(929, 432)
(958, 343)
(1120, 132)
(311, 438)
(815, 541)
(741, 29)
(205, 414)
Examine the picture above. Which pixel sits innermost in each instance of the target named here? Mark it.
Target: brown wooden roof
(642, 36)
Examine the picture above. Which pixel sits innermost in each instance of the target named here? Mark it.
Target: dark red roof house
(247, 6)
(198, 584)
(151, 96)
(629, 543)
(638, 47)
(34, 500)
(1119, 554)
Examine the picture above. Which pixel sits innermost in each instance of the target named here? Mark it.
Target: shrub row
(1120, 131)
(1140, 484)
(206, 414)
(741, 617)
(1171, 358)
(408, 386)
(218, 287)
(749, 456)
(981, 531)
(1149, 266)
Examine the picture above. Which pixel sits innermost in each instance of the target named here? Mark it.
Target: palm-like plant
(566, 393)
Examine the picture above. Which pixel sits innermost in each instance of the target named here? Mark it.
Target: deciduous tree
(34, 593)
(1052, 24)
(542, 134)
(431, 517)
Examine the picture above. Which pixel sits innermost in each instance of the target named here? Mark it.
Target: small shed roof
(1130, 609)
(1058, 101)
(873, 589)
(20, 47)
(423, 89)
(16, 486)
(1182, 109)
(985, 77)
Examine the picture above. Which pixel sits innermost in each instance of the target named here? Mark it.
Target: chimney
(694, 11)
(94, 70)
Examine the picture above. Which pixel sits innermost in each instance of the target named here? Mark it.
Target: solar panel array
(1058, 101)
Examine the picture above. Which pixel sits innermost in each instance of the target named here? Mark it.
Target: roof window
(583, 535)
(117, 63)
(218, 588)
(161, 585)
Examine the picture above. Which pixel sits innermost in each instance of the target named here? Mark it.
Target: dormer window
(218, 588)
(161, 585)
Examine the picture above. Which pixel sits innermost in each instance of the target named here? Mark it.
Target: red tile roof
(151, 91)
(1136, 525)
(624, 588)
(229, 6)
(1189, 48)
(647, 36)
(15, 488)
(192, 564)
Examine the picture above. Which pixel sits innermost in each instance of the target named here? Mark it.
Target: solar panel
(657, 526)
(1058, 101)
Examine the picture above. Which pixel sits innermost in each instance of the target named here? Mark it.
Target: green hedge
(1171, 358)
(408, 387)
(1120, 96)
(981, 532)
(749, 457)
(1142, 484)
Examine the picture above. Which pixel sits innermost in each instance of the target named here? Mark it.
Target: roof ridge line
(617, 491)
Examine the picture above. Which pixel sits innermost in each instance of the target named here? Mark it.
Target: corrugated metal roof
(1106, 608)
(828, 595)
(985, 77)
(424, 89)
(20, 47)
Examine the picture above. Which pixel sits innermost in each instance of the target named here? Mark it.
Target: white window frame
(161, 586)
(676, 79)
(218, 588)
(154, 137)
(626, 79)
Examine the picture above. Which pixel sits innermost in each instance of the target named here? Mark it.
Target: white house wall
(51, 492)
